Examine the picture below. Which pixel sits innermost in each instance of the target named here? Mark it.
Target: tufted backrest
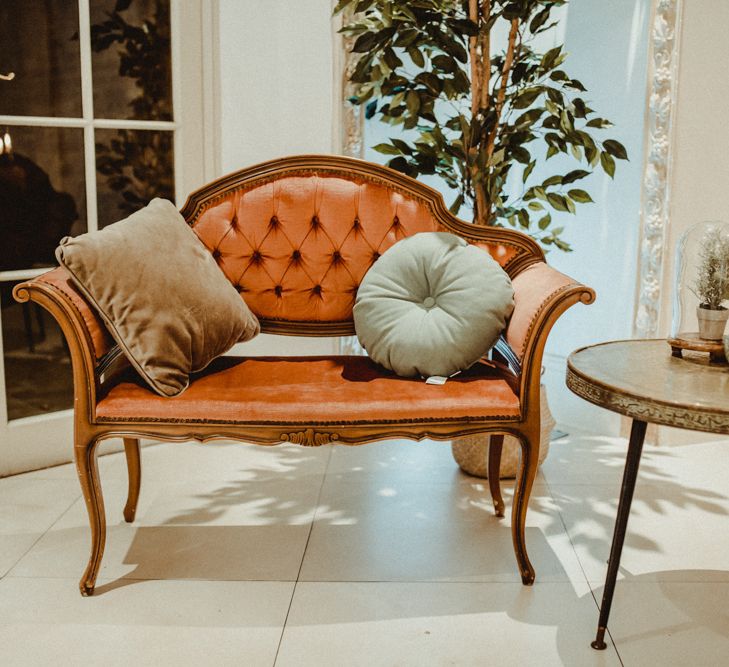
(296, 236)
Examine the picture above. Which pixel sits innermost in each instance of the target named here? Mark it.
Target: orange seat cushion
(341, 389)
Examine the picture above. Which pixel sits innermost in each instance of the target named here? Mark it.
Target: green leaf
(413, 102)
(523, 218)
(608, 164)
(341, 5)
(535, 206)
(553, 180)
(577, 85)
(416, 56)
(526, 98)
(615, 148)
(446, 63)
(402, 146)
(399, 164)
(599, 122)
(573, 176)
(387, 149)
(580, 196)
(550, 57)
(540, 18)
(557, 202)
(430, 81)
(528, 171)
(391, 59)
(544, 222)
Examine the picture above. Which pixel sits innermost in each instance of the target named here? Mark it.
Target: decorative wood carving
(352, 126)
(648, 410)
(309, 437)
(663, 68)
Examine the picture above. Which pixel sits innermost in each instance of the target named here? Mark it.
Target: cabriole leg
(134, 469)
(88, 474)
(522, 491)
(496, 444)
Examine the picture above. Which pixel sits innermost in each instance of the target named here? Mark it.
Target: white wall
(276, 98)
(700, 167)
(608, 53)
(276, 80)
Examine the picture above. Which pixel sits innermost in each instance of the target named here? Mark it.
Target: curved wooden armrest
(58, 286)
(89, 341)
(541, 295)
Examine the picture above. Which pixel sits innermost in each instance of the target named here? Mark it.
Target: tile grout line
(41, 536)
(303, 555)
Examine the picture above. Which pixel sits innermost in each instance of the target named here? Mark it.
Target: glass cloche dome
(701, 287)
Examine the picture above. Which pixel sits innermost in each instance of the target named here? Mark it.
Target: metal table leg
(632, 462)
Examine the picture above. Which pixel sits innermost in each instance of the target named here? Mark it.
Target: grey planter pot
(711, 323)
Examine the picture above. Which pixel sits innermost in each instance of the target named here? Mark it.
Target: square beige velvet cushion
(160, 292)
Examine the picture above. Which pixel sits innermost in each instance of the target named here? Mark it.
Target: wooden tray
(692, 341)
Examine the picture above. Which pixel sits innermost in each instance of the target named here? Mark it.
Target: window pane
(131, 59)
(133, 167)
(38, 376)
(39, 42)
(42, 194)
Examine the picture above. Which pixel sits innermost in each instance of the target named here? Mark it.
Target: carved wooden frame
(655, 207)
(91, 376)
(527, 249)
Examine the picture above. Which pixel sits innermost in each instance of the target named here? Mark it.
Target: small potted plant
(711, 285)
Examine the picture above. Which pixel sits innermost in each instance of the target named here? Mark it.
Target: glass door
(90, 132)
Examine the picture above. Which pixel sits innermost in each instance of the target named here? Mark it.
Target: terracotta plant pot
(471, 452)
(711, 323)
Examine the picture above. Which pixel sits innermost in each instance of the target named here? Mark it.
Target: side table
(642, 380)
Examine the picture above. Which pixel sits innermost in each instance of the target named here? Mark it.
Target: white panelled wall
(277, 98)
(608, 51)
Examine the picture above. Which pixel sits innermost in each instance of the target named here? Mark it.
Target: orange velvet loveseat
(296, 236)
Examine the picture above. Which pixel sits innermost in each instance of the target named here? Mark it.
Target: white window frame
(45, 439)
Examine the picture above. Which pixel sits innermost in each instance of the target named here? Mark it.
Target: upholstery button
(240, 288)
(273, 221)
(278, 290)
(336, 257)
(234, 221)
(296, 255)
(256, 257)
(396, 222)
(316, 289)
(429, 302)
(216, 254)
(315, 222)
(375, 256)
(356, 224)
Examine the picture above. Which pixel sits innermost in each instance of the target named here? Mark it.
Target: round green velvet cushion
(432, 305)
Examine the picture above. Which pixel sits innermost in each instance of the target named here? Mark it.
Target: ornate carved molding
(663, 70)
(351, 129)
(648, 410)
(309, 437)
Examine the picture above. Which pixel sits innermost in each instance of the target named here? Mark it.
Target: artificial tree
(477, 116)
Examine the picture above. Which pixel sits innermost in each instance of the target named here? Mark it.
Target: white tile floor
(378, 555)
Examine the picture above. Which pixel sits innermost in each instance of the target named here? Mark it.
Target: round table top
(641, 379)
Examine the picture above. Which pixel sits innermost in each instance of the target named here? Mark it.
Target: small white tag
(436, 379)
